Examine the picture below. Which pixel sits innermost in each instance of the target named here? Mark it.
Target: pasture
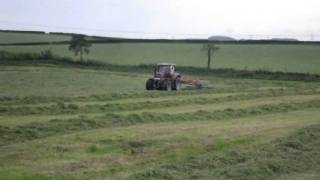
(22, 37)
(71, 121)
(77, 123)
(285, 58)
(301, 58)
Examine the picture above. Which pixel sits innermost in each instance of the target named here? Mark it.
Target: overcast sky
(166, 18)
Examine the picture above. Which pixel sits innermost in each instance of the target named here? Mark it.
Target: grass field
(18, 37)
(286, 58)
(71, 123)
(46, 81)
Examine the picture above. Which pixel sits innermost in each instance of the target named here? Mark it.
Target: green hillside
(22, 37)
(271, 57)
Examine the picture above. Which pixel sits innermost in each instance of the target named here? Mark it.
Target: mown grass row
(35, 100)
(298, 153)
(30, 100)
(53, 127)
(63, 108)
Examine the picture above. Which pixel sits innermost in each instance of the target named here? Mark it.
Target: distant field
(17, 37)
(287, 58)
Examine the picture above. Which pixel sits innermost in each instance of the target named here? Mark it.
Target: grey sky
(166, 18)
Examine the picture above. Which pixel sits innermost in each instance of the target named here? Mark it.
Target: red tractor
(165, 77)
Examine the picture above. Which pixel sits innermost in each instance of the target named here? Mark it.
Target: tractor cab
(164, 70)
(165, 77)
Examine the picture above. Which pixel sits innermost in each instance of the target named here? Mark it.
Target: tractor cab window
(165, 69)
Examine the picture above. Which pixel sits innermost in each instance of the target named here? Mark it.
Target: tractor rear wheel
(149, 84)
(177, 84)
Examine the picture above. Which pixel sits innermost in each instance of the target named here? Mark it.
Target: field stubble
(237, 129)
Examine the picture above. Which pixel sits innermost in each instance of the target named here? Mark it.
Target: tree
(210, 49)
(79, 45)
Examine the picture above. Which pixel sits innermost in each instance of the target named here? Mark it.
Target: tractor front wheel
(168, 85)
(165, 85)
(149, 84)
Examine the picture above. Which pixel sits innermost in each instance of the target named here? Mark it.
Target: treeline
(100, 39)
(35, 43)
(27, 32)
(97, 40)
(204, 41)
(36, 32)
(9, 56)
(49, 58)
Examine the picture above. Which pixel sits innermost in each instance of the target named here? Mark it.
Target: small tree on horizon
(210, 49)
(79, 45)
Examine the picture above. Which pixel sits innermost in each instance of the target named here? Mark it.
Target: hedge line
(25, 58)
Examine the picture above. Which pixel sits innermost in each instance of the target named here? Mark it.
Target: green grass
(22, 174)
(16, 37)
(124, 151)
(270, 160)
(55, 81)
(286, 58)
(35, 130)
(68, 122)
(50, 80)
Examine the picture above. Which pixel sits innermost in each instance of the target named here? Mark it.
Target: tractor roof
(165, 64)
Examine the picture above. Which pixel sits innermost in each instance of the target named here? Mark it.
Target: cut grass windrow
(63, 108)
(131, 100)
(297, 153)
(39, 130)
(104, 98)
(15, 120)
(34, 100)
